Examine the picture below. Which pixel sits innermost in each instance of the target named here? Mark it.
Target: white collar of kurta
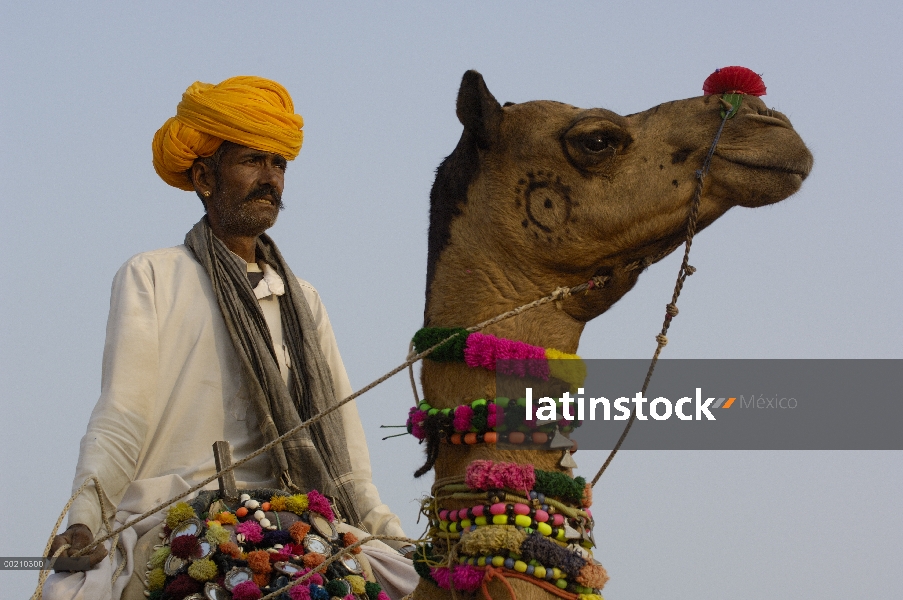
(271, 284)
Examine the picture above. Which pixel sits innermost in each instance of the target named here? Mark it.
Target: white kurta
(172, 386)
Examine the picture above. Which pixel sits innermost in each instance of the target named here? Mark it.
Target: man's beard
(241, 219)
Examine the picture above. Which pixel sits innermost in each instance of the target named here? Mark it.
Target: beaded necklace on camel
(482, 420)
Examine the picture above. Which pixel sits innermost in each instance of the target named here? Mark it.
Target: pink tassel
(463, 416)
(299, 592)
(492, 418)
(441, 576)
(416, 420)
(487, 474)
(251, 530)
(318, 503)
(247, 590)
(480, 351)
(467, 578)
(485, 350)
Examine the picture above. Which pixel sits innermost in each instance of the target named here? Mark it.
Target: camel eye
(597, 142)
(594, 143)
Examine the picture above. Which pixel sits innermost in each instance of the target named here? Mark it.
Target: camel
(541, 194)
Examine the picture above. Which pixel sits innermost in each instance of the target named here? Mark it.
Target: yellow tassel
(179, 513)
(566, 367)
(202, 570)
(156, 579)
(216, 535)
(296, 504)
(159, 557)
(358, 584)
(277, 503)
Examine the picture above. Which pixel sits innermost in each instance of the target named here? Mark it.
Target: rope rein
(685, 271)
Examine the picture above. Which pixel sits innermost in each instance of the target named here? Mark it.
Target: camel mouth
(800, 170)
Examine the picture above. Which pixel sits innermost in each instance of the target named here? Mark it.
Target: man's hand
(78, 536)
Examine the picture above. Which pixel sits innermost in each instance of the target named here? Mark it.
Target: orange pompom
(298, 530)
(313, 559)
(231, 549)
(349, 538)
(265, 506)
(241, 512)
(259, 561)
(226, 518)
(261, 579)
(587, 496)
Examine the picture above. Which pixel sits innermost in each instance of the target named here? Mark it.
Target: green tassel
(372, 590)
(451, 351)
(559, 485)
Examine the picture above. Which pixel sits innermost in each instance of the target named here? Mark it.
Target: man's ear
(202, 176)
(478, 110)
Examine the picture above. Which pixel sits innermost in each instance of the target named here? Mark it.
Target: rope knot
(597, 282)
(559, 295)
(671, 310)
(662, 339)
(690, 269)
(493, 573)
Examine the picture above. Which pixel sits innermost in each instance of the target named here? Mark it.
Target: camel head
(544, 194)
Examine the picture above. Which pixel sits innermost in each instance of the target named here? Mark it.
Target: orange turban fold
(251, 111)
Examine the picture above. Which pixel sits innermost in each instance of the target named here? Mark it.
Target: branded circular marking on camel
(547, 201)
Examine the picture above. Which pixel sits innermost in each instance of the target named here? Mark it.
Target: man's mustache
(265, 191)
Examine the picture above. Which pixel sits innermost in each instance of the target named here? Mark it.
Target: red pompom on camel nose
(734, 80)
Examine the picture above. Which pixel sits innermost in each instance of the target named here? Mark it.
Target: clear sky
(85, 85)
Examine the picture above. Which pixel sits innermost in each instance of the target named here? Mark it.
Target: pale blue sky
(818, 276)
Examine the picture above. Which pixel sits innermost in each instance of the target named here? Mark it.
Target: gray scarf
(297, 460)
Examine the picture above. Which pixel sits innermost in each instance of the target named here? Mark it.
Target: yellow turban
(251, 111)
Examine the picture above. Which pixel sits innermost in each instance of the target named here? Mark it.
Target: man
(217, 340)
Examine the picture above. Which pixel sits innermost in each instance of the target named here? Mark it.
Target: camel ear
(478, 110)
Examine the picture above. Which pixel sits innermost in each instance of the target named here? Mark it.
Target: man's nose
(273, 174)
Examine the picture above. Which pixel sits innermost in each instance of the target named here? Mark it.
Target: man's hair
(212, 162)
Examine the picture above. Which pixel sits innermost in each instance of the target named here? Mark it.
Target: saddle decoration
(509, 357)
(214, 551)
(536, 536)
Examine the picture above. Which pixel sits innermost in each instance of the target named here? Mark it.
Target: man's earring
(207, 194)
